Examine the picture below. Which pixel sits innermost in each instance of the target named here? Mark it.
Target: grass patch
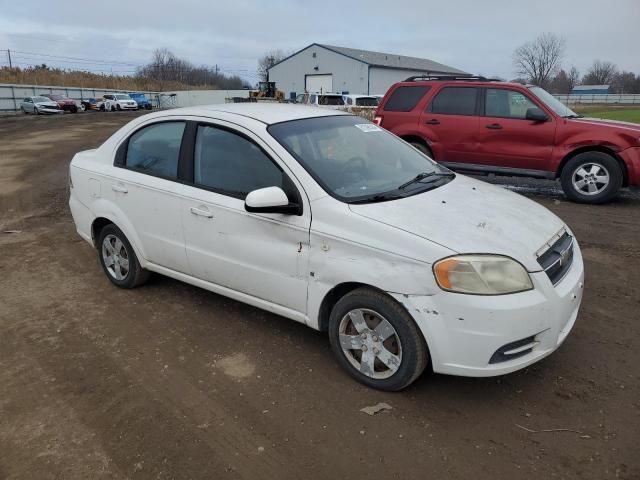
(623, 115)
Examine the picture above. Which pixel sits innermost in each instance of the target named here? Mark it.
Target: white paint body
(287, 264)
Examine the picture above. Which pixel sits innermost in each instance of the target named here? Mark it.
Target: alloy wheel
(370, 343)
(590, 179)
(115, 257)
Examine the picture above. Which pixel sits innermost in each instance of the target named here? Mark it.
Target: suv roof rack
(472, 78)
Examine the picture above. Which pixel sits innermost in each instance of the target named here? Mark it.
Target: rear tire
(118, 260)
(36, 111)
(423, 148)
(74, 109)
(592, 177)
(376, 341)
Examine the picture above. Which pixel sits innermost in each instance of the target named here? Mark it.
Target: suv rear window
(367, 102)
(455, 101)
(404, 99)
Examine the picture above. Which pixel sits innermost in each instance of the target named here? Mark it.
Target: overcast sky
(477, 37)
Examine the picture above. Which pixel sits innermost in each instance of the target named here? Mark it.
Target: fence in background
(622, 99)
(12, 94)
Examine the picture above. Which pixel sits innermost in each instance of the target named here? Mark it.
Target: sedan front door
(261, 255)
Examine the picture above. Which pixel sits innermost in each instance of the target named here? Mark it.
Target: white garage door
(319, 83)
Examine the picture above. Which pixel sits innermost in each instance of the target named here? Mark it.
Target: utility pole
(9, 55)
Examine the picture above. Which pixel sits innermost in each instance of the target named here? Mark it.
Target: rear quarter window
(405, 98)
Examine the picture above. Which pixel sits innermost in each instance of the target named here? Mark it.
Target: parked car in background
(327, 219)
(330, 100)
(65, 103)
(38, 104)
(142, 101)
(122, 101)
(367, 101)
(105, 105)
(89, 104)
(484, 126)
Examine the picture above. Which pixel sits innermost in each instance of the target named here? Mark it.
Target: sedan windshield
(553, 103)
(123, 97)
(357, 161)
(41, 99)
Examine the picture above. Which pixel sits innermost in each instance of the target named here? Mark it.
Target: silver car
(37, 105)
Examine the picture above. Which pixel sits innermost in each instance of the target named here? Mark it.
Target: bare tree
(165, 66)
(574, 78)
(600, 73)
(539, 60)
(268, 60)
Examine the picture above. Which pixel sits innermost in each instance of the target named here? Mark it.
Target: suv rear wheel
(592, 177)
(423, 148)
(118, 259)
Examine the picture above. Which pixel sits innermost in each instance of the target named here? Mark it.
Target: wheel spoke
(389, 359)
(118, 272)
(581, 172)
(366, 363)
(118, 245)
(604, 178)
(124, 264)
(350, 342)
(384, 330)
(580, 184)
(592, 188)
(108, 261)
(357, 318)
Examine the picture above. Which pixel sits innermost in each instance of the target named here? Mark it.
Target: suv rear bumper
(631, 157)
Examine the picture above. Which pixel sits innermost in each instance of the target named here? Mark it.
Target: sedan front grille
(556, 260)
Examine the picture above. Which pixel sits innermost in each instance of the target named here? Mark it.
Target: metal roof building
(590, 90)
(324, 68)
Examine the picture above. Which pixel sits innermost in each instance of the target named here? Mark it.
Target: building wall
(380, 79)
(349, 75)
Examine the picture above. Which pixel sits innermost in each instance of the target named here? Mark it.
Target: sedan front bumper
(482, 336)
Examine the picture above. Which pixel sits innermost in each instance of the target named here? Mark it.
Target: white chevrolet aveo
(329, 220)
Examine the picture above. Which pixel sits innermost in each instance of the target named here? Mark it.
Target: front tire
(118, 260)
(592, 177)
(376, 341)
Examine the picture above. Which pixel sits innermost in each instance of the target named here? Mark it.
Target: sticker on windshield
(368, 127)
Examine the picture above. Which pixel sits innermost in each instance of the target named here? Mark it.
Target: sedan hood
(46, 104)
(470, 216)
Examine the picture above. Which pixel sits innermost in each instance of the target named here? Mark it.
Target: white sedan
(331, 221)
(38, 105)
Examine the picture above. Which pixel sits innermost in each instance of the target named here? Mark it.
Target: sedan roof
(267, 113)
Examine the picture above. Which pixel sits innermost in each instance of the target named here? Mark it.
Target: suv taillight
(377, 120)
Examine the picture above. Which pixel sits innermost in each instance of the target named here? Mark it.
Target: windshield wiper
(573, 115)
(421, 176)
(378, 197)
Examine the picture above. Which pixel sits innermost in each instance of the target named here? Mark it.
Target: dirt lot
(170, 381)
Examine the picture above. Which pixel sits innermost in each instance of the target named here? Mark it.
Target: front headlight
(481, 275)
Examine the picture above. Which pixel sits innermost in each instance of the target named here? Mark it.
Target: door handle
(494, 126)
(200, 212)
(433, 121)
(119, 188)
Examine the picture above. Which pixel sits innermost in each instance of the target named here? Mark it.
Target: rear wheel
(592, 177)
(376, 341)
(113, 109)
(119, 107)
(36, 111)
(423, 148)
(118, 259)
(74, 109)
(23, 110)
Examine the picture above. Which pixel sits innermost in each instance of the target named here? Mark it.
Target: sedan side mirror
(270, 200)
(536, 114)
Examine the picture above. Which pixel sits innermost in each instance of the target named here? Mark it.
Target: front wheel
(36, 111)
(592, 177)
(118, 259)
(376, 341)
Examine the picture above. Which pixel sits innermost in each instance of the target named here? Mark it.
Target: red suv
(66, 104)
(481, 125)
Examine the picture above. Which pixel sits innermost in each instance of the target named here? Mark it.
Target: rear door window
(155, 149)
(405, 98)
(455, 101)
